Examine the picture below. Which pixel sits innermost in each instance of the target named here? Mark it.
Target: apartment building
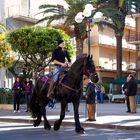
(103, 49)
(134, 38)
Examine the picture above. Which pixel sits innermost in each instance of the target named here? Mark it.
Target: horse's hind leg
(62, 116)
(37, 121)
(78, 128)
(46, 123)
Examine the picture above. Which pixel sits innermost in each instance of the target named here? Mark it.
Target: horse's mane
(77, 61)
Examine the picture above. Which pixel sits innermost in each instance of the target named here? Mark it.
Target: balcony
(134, 38)
(25, 18)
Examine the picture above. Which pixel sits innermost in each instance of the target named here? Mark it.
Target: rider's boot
(51, 89)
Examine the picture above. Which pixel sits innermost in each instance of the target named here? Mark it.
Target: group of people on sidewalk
(19, 89)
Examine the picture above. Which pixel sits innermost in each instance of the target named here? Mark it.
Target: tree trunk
(79, 40)
(119, 55)
(79, 47)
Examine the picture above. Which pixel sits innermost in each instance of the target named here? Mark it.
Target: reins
(70, 88)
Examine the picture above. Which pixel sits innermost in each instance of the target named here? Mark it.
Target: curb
(6, 107)
(83, 124)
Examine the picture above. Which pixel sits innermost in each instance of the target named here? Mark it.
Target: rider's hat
(60, 41)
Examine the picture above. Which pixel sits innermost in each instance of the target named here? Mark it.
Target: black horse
(68, 90)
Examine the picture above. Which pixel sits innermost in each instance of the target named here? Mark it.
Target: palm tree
(116, 11)
(68, 15)
(2, 28)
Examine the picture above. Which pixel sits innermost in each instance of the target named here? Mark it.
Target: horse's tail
(34, 105)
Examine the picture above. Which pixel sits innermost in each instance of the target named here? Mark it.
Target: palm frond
(44, 6)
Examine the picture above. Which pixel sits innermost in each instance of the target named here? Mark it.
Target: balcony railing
(133, 38)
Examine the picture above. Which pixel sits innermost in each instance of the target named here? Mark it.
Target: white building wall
(2, 77)
(2, 11)
(12, 7)
(107, 37)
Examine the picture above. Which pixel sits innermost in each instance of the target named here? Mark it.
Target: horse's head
(90, 70)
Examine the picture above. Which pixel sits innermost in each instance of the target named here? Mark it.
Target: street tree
(6, 53)
(34, 45)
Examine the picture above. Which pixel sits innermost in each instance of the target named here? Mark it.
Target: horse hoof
(36, 123)
(56, 128)
(47, 127)
(80, 131)
(56, 125)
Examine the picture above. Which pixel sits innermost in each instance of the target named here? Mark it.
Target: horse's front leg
(62, 116)
(78, 127)
(46, 123)
(37, 121)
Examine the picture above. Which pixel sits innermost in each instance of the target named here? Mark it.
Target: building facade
(103, 49)
(18, 13)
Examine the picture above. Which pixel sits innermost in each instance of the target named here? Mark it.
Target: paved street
(16, 131)
(109, 115)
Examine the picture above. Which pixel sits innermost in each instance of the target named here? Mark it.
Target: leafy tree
(35, 45)
(69, 19)
(6, 54)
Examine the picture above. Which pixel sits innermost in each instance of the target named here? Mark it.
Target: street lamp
(87, 14)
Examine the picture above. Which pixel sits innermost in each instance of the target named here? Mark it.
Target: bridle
(87, 72)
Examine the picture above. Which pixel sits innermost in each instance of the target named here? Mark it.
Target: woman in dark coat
(28, 87)
(17, 88)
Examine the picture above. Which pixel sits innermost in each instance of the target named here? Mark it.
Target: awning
(121, 81)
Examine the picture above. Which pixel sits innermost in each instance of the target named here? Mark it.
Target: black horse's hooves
(36, 123)
(47, 128)
(80, 131)
(56, 128)
(56, 125)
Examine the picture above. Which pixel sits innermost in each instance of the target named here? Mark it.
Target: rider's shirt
(60, 54)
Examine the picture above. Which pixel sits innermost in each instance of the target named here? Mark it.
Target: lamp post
(87, 14)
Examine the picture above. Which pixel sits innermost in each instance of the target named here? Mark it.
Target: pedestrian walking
(17, 89)
(90, 99)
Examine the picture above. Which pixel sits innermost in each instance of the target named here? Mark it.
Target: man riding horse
(58, 57)
(69, 90)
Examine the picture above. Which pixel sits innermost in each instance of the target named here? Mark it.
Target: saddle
(53, 84)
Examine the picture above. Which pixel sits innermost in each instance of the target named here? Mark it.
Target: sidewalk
(109, 115)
